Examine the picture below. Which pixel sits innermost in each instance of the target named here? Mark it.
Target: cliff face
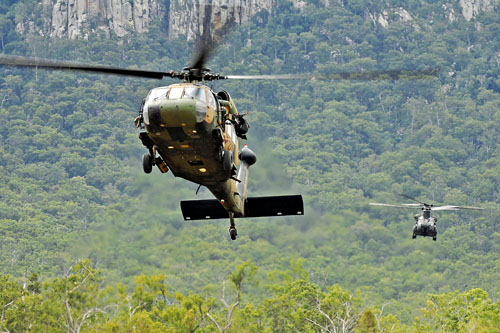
(190, 18)
(468, 8)
(76, 18)
(471, 8)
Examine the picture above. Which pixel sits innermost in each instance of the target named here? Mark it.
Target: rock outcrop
(78, 18)
(383, 17)
(471, 8)
(192, 18)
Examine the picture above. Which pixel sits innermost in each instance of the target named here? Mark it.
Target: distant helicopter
(193, 131)
(425, 224)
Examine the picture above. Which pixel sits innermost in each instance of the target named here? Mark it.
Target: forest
(88, 242)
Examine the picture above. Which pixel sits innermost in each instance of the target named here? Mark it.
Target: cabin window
(211, 101)
(195, 93)
(175, 93)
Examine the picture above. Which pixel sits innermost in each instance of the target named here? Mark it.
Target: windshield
(175, 93)
(195, 93)
(154, 95)
(157, 93)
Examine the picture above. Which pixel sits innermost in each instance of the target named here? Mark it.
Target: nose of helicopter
(181, 114)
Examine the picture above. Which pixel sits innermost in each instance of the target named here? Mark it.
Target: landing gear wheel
(233, 233)
(147, 163)
(227, 160)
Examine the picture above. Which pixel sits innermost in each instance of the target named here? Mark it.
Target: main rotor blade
(418, 206)
(207, 43)
(408, 197)
(404, 74)
(73, 66)
(360, 76)
(456, 208)
(270, 77)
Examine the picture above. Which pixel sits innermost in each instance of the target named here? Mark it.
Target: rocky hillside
(78, 18)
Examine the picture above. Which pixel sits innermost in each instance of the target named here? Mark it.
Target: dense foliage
(79, 302)
(71, 184)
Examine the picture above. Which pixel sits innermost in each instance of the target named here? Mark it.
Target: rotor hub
(191, 74)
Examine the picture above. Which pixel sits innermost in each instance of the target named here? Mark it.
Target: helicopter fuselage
(425, 226)
(194, 132)
(191, 131)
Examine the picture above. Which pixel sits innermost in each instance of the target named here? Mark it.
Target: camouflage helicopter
(425, 224)
(194, 131)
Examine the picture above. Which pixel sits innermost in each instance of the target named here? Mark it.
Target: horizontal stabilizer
(274, 206)
(203, 210)
(254, 207)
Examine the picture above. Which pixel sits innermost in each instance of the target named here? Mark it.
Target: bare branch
(69, 315)
(3, 311)
(318, 305)
(215, 322)
(223, 299)
(4, 99)
(320, 326)
(230, 315)
(86, 316)
(90, 274)
(131, 310)
(378, 317)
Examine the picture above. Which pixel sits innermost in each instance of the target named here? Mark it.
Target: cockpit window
(175, 93)
(157, 93)
(154, 95)
(195, 93)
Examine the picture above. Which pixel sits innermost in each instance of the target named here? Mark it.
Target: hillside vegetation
(72, 188)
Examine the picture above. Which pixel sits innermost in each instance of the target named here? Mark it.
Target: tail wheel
(147, 163)
(233, 233)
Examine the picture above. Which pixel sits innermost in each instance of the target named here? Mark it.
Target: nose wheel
(147, 163)
(232, 228)
(150, 159)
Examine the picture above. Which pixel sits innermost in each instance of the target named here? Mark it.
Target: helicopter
(194, 132)
(425, 224)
